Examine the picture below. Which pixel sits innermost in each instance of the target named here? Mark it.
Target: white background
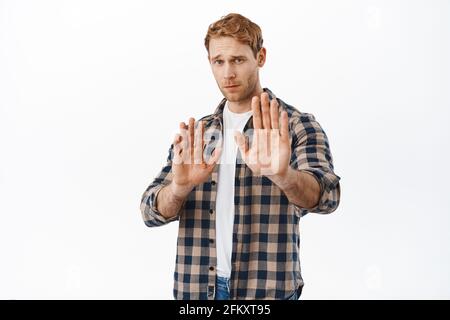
(91, 94)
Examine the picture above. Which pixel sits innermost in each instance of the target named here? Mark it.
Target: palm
(190, 173)
(268, 155)
(270, 151)
(189, 166)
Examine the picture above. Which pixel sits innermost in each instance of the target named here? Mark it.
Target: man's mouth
(233, 86)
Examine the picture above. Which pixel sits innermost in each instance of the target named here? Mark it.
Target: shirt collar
(218, 113)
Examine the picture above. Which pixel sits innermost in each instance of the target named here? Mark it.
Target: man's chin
(232, 97)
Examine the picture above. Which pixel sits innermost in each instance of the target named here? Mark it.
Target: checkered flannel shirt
(266, 239)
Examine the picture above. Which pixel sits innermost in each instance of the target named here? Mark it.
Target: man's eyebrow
(233, 57)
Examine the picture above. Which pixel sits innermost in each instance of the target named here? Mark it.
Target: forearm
(300, 188)
(170, 199)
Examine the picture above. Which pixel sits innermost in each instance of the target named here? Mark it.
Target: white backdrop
(91, 94)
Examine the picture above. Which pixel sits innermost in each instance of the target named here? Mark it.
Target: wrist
(286, 180)
(179, 192)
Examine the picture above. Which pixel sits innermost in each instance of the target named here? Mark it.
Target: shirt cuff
(153, 208)
(328, 198)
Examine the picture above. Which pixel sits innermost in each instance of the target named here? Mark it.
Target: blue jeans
(223, 289)
(294, 296)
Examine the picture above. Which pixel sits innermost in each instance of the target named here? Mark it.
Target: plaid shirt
(265, 254)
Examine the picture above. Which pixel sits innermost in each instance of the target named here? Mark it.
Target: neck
(246, 104)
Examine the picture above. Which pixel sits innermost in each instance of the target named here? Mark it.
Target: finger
(198, 145)
(265, 107)
(242, 144)
(177, 141)
(263, 147)
(253, 151)
(256, 113)
(274, 117)
(191, 139)
(214, 158)
(184, 145)
(183, 126)
(184, 130)
(275, 150)
(177, 149)
(284, 130)
(202, 145)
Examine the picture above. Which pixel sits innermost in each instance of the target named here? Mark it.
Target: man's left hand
(270, 152)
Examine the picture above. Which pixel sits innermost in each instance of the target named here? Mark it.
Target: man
(239, 180)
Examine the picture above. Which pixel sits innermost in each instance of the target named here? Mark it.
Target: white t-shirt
(225, 189)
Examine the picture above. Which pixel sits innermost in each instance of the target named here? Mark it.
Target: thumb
(214, 158)
(241, 142)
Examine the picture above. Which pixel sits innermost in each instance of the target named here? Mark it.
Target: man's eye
(218, 61)
(238, 60)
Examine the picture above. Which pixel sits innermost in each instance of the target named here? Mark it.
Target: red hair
(238, 27)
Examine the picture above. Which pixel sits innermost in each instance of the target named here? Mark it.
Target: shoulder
(207, 118)
(298, 120)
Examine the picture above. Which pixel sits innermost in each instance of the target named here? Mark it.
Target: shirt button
(211, 211)
(213, 183)
(211, 241)
(211, 268)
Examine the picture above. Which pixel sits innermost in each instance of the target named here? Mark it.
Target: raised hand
(270, 151)
(189, 166)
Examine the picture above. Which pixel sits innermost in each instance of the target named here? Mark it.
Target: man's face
(235, 68)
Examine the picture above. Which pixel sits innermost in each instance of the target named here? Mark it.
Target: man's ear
(261, 57)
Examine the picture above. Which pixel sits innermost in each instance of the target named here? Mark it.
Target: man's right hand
(189, 166)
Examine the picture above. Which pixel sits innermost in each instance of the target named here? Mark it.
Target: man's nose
(229, 72)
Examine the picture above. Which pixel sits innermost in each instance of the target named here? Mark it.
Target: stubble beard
(245, 95)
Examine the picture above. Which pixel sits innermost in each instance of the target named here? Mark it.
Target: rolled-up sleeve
(151, 216)
(311, 154)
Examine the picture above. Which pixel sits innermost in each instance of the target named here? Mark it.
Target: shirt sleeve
(311, 154)
(151, 216)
